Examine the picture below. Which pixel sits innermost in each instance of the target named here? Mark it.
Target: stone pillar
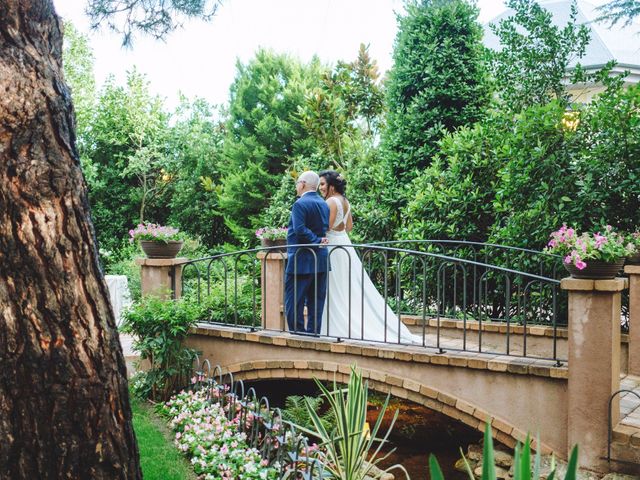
(594, 365)
(157, 276)
(634, 318)
(272, 264)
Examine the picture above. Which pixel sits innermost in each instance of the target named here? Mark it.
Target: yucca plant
(349, 451)
(522, 462)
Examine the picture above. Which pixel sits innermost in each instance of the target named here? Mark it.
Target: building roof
(618, 43)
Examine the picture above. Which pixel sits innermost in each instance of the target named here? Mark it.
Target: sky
(200, 59)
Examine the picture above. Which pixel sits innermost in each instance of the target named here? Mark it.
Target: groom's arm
(300, 229)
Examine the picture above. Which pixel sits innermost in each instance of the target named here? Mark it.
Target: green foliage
(512, 179)
(349, 450)
(453, 198)
(279, 209)
(264, 134)
(344, 109)
(437, 83)
(534, 55)
(296, 411)
(195, 156)
(121, 261)
(157, 18)
(124, 164)
(607, 141)
(536, 181)
(522, 463)
(375, 198)
(159, 328)
(586, 177)
(78, 61)
(236, 301)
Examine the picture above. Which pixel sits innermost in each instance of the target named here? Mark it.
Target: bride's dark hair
(335, 180)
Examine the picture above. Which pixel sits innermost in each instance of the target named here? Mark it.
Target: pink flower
(580, 265)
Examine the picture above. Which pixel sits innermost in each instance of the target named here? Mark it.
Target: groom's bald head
(310, 179)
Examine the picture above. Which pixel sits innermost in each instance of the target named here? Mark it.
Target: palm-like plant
(349, 451)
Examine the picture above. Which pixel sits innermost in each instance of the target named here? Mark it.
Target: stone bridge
(564, 402)
(517, 395)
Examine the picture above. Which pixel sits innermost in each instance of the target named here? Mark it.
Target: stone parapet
(594, 360)
(272, 265)
(161, 277)
(634, 318)
(409, 354)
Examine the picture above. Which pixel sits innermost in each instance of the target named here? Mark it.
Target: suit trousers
(300, 290)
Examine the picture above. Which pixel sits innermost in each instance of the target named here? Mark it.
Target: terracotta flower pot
(153, 249)
(595, 269)
(280, 242)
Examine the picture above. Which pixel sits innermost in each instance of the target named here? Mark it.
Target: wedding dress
(343, 317)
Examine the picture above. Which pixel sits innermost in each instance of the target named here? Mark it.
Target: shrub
(159, 328)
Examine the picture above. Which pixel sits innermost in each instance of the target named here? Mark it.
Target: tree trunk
(64, 405)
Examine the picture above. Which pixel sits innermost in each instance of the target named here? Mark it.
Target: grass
(159, 458)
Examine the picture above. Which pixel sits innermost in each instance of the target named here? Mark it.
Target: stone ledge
(161, 262)
(488, 326)
(584, 285)
(415, 354)
(632, 269)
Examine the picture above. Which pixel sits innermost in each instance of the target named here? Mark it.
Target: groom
(306, 274)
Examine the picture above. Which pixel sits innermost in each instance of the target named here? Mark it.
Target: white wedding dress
(343, 318)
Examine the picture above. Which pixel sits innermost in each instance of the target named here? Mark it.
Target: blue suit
(307, 267)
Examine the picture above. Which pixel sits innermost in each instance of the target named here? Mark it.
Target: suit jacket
(308, 223)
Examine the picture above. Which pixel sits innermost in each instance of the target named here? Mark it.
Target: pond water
(418, 431)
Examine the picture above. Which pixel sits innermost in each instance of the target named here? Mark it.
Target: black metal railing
(610, 423)
(451, 303)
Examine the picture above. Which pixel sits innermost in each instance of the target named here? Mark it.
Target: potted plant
(590, 255)
(157, 241)
(272, 237)
(634, 239)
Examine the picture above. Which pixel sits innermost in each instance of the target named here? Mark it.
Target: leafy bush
(236, 303)
(159, 328)
(428, 94)
(531, 64)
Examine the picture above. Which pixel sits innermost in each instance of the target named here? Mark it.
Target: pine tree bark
(64, 407)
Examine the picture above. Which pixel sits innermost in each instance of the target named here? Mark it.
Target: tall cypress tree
(437, 82)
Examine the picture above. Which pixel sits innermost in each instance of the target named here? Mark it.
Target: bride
(343, 317)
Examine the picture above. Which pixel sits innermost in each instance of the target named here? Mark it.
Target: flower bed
(217, 447)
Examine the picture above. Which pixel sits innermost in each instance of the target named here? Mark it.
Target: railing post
(272, 265)
(634, 318)
(161, 277)
(594, 365)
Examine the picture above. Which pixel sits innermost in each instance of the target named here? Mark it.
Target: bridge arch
(381, 382)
